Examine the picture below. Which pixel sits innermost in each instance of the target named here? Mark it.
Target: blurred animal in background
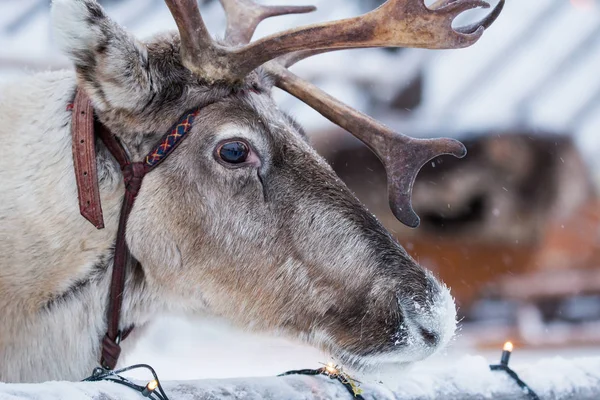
(242, 219)
(509, 188)
(517, 219)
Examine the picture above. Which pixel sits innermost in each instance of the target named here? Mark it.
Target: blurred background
(513, 229)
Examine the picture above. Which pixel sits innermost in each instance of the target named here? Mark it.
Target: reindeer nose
(431, 319)
(429, 337)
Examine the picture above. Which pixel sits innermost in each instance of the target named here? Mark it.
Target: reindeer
(242, 220)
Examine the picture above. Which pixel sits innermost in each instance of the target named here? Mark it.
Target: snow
(209, 349)
(198, 358)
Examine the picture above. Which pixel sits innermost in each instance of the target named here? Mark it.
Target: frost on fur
(111, 65)
(77, 26)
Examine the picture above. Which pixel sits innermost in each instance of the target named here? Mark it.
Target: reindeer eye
(234, 152)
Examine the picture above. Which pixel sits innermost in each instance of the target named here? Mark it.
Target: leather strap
(84, 160)
(85, 127)
(111, 349)
(133, 174)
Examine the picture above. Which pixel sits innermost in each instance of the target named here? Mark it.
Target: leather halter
(84, 128)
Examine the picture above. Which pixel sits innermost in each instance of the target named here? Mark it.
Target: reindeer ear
(111, 65)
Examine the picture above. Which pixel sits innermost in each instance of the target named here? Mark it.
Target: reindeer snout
(429, 322)
(430, 338)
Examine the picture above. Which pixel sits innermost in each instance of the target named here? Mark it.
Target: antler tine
(402, 156)
(196, 43)
(243, 16)
(292, 58)
(397, 23)
(485, 23)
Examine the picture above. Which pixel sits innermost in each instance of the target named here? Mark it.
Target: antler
(205, 57)
(397, 23)
(243, 16)
(401, 155)
(196, 42)
(406, 23)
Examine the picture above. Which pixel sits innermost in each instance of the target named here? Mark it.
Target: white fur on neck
(47, 246)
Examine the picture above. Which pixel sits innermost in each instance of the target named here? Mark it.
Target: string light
(331, 369)
(503, 366)
(150, 388)
(506, 352)
(153, 389)
(333, 372)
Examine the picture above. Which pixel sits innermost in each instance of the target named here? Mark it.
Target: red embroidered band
(172, 139)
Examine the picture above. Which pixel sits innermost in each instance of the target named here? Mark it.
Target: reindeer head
(245, 220)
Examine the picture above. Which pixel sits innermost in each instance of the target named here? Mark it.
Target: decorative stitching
(177, 133)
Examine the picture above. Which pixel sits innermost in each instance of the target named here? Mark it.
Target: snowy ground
(187, 354)
(203, 349)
